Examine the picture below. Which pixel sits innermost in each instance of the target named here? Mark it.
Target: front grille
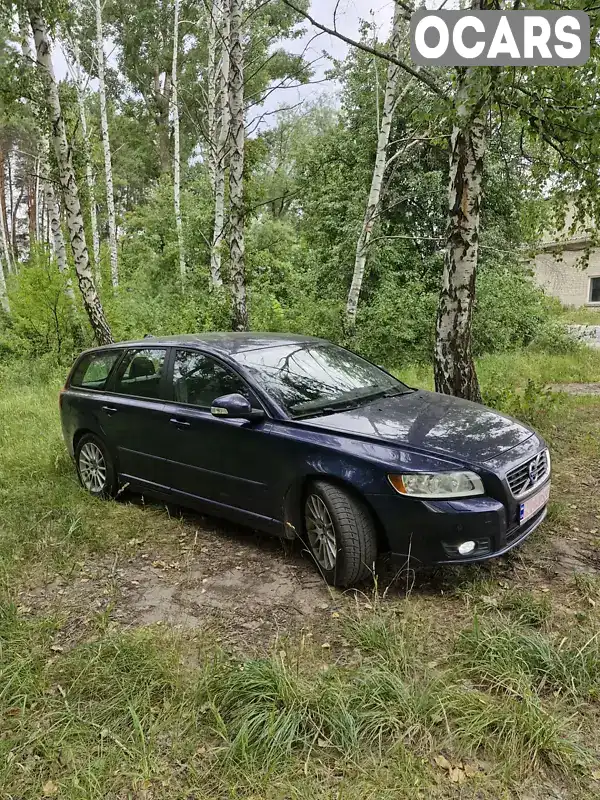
(530, 474)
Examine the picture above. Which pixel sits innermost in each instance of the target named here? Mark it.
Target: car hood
(433, 422)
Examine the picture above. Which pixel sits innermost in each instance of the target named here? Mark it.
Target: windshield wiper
(348, 405)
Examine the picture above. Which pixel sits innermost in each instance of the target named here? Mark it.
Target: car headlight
(438, 485)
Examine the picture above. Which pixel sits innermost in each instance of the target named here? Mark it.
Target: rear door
(222, 462)
(133, 416)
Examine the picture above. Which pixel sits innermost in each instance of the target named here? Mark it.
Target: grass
(581, 316)
(515, 370)
(482, 684)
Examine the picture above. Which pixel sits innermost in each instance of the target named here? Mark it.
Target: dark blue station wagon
(296, 436)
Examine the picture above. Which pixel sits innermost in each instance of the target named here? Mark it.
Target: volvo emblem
(534, 469)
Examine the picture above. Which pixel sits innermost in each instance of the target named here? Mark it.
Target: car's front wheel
(95, 466)
(340, 534)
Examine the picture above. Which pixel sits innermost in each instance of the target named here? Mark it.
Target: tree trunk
(211, 94)
(223, 138)
(89, 174)
(13, 222)
(110, 197)
(372, 210)
(4, 221)
(64, 159)
(236, 171)
(4, 304)
(58, 239)
(454, 366)
(32, 206)
(176, 147)
(162, 102)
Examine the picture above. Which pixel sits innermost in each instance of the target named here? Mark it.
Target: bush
(532, 404)
(398, 327)
(510, 311)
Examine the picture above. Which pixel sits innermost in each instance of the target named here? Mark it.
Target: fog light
(466, 548)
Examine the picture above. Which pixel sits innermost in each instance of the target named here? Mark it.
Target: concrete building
(563, 271)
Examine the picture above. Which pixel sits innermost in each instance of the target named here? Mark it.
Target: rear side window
(140, 373)
(93, 370)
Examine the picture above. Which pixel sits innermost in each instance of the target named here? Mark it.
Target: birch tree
(222, 13)
(53, 208)
(64, 158)
(176, 147)
(3, 213)
(4, 303)
(3, 225)
(454, 366)
(211, 93)
(110, 197)
(236, 170)
(372, 210)
(89, 173)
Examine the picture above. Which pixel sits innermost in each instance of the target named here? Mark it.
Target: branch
(416, 73)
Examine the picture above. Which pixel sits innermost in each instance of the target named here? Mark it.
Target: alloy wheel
(92, 468)
(321, 532)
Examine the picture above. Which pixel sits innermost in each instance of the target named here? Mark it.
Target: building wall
(560, 274)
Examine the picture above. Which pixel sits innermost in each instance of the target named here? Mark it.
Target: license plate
(531, 507)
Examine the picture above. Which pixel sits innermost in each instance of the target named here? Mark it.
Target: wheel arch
(78, 436)
(296, 494)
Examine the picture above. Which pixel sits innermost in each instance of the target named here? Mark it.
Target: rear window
(93, 370)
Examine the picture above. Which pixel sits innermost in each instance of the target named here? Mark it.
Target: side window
(198, 380)
(140, 372)
(93, 370)
(595, 290)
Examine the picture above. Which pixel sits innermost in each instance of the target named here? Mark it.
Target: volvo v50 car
(296, 436)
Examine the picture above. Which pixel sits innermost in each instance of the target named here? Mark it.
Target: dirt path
(576, 388)
(234, 583)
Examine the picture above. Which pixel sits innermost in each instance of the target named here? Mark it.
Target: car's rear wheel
(95, 467)
(340, 534)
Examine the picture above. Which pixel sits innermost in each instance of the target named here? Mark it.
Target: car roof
(226, 342)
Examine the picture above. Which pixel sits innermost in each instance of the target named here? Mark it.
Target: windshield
(308, 379)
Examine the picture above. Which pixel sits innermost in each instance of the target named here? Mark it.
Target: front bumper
(430, 532)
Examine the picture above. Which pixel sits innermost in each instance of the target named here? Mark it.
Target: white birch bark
(89, 173)
(177, 147)
(236, 171)
(38, 167)
(5, 247)
(371, 213)
(4, 304)
(222, 9)
(211, 94)
(110, 196)
(64, 159)
(58, 239)
(454, 367)
(25, 35)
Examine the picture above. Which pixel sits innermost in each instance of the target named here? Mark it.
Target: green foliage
(44, 321)
(533, 404)
(511, 310)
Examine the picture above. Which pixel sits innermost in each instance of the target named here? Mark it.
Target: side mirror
(234, 406)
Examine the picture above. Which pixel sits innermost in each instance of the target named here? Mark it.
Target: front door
(133, 417)
(221, 462)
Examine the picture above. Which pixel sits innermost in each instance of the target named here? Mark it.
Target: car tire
(95, 467)
(340, 534)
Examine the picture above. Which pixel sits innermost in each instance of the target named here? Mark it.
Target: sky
(317, 47)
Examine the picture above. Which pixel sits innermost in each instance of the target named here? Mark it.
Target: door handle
(180, 423)
(109, 410)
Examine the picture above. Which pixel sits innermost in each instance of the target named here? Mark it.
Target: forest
(179, 166)
(150, 190)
